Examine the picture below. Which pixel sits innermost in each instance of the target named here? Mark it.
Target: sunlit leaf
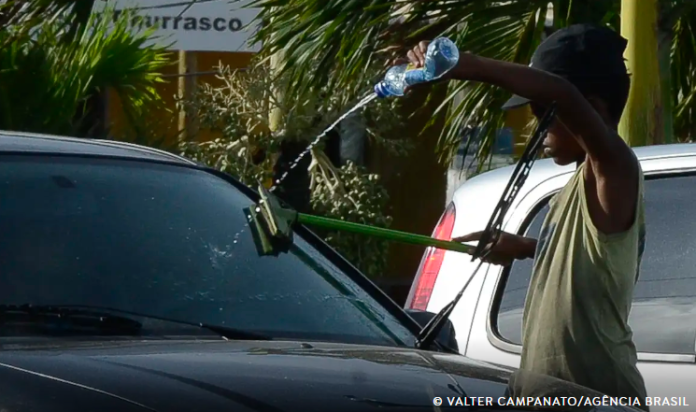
(332, 42)
(55, 56)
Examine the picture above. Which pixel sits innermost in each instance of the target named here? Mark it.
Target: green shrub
(239, 112)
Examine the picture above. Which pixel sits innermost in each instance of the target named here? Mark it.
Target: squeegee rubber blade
(259, 233)
(268, 206)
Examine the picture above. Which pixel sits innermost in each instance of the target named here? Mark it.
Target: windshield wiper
(491, 234)
(41, 314)
(107, 317)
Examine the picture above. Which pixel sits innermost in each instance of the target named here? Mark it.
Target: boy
(588, 253)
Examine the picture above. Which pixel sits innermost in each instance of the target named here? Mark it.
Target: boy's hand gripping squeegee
(272, 228)
(491, 234)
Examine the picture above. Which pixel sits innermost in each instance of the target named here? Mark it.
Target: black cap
(578, 52)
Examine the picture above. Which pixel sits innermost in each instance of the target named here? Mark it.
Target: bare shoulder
(618, 163)
(613, 182)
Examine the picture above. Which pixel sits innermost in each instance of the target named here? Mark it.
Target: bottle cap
(380, 90)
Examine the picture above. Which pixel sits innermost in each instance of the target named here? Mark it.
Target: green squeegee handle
(388, 234)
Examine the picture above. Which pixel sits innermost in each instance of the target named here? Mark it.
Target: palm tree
(331, 42)
(56, 55)
(22, 16)
(678, 66)
(639, 23)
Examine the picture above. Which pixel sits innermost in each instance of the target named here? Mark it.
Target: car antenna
(491, 234)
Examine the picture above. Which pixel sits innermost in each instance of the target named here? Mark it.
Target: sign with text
(202, 25)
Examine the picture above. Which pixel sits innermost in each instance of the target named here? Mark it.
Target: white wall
(217, 25)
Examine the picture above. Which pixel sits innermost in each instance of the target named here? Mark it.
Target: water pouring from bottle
(362, 103)
(442, 55)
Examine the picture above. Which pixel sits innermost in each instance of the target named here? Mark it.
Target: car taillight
(422, 288)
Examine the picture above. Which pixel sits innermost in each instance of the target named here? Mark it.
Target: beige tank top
(576, 311)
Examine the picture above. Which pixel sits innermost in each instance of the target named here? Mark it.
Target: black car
(129, 282)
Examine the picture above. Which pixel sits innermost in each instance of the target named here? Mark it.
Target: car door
(663, 317)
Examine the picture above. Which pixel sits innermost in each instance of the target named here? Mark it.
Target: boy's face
(559, 144)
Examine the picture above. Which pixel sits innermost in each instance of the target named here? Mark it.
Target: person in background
(587, 256)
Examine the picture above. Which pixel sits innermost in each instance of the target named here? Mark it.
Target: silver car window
(663, 317)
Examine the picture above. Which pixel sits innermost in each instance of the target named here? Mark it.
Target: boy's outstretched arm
(574, 111)
(614, 166)
(613, 186)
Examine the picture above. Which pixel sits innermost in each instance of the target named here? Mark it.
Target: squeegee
(272, 228)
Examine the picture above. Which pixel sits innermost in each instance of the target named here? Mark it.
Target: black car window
(663, 317)
(172, 242)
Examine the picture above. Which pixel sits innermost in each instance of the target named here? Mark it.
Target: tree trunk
(665, 37)
(642, 123)
(664, 49)
(187, 84)
(274, 114)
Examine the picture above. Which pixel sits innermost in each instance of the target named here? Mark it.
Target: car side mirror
(447, 335)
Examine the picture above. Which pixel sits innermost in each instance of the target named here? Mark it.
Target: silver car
(488, 318)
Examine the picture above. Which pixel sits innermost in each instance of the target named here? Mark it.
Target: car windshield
(168, 241)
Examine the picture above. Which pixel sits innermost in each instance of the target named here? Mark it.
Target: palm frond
(45, 81)
(684, 76)
(323, 42)
(331, 42)
(498, 33)
(20, 17)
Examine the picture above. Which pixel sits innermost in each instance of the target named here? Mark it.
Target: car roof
(546, 168)
(490, 185)
(25, 143)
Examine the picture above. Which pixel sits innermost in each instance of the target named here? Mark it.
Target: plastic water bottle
(442, 55)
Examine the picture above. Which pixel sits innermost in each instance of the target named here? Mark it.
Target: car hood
(239, 376)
